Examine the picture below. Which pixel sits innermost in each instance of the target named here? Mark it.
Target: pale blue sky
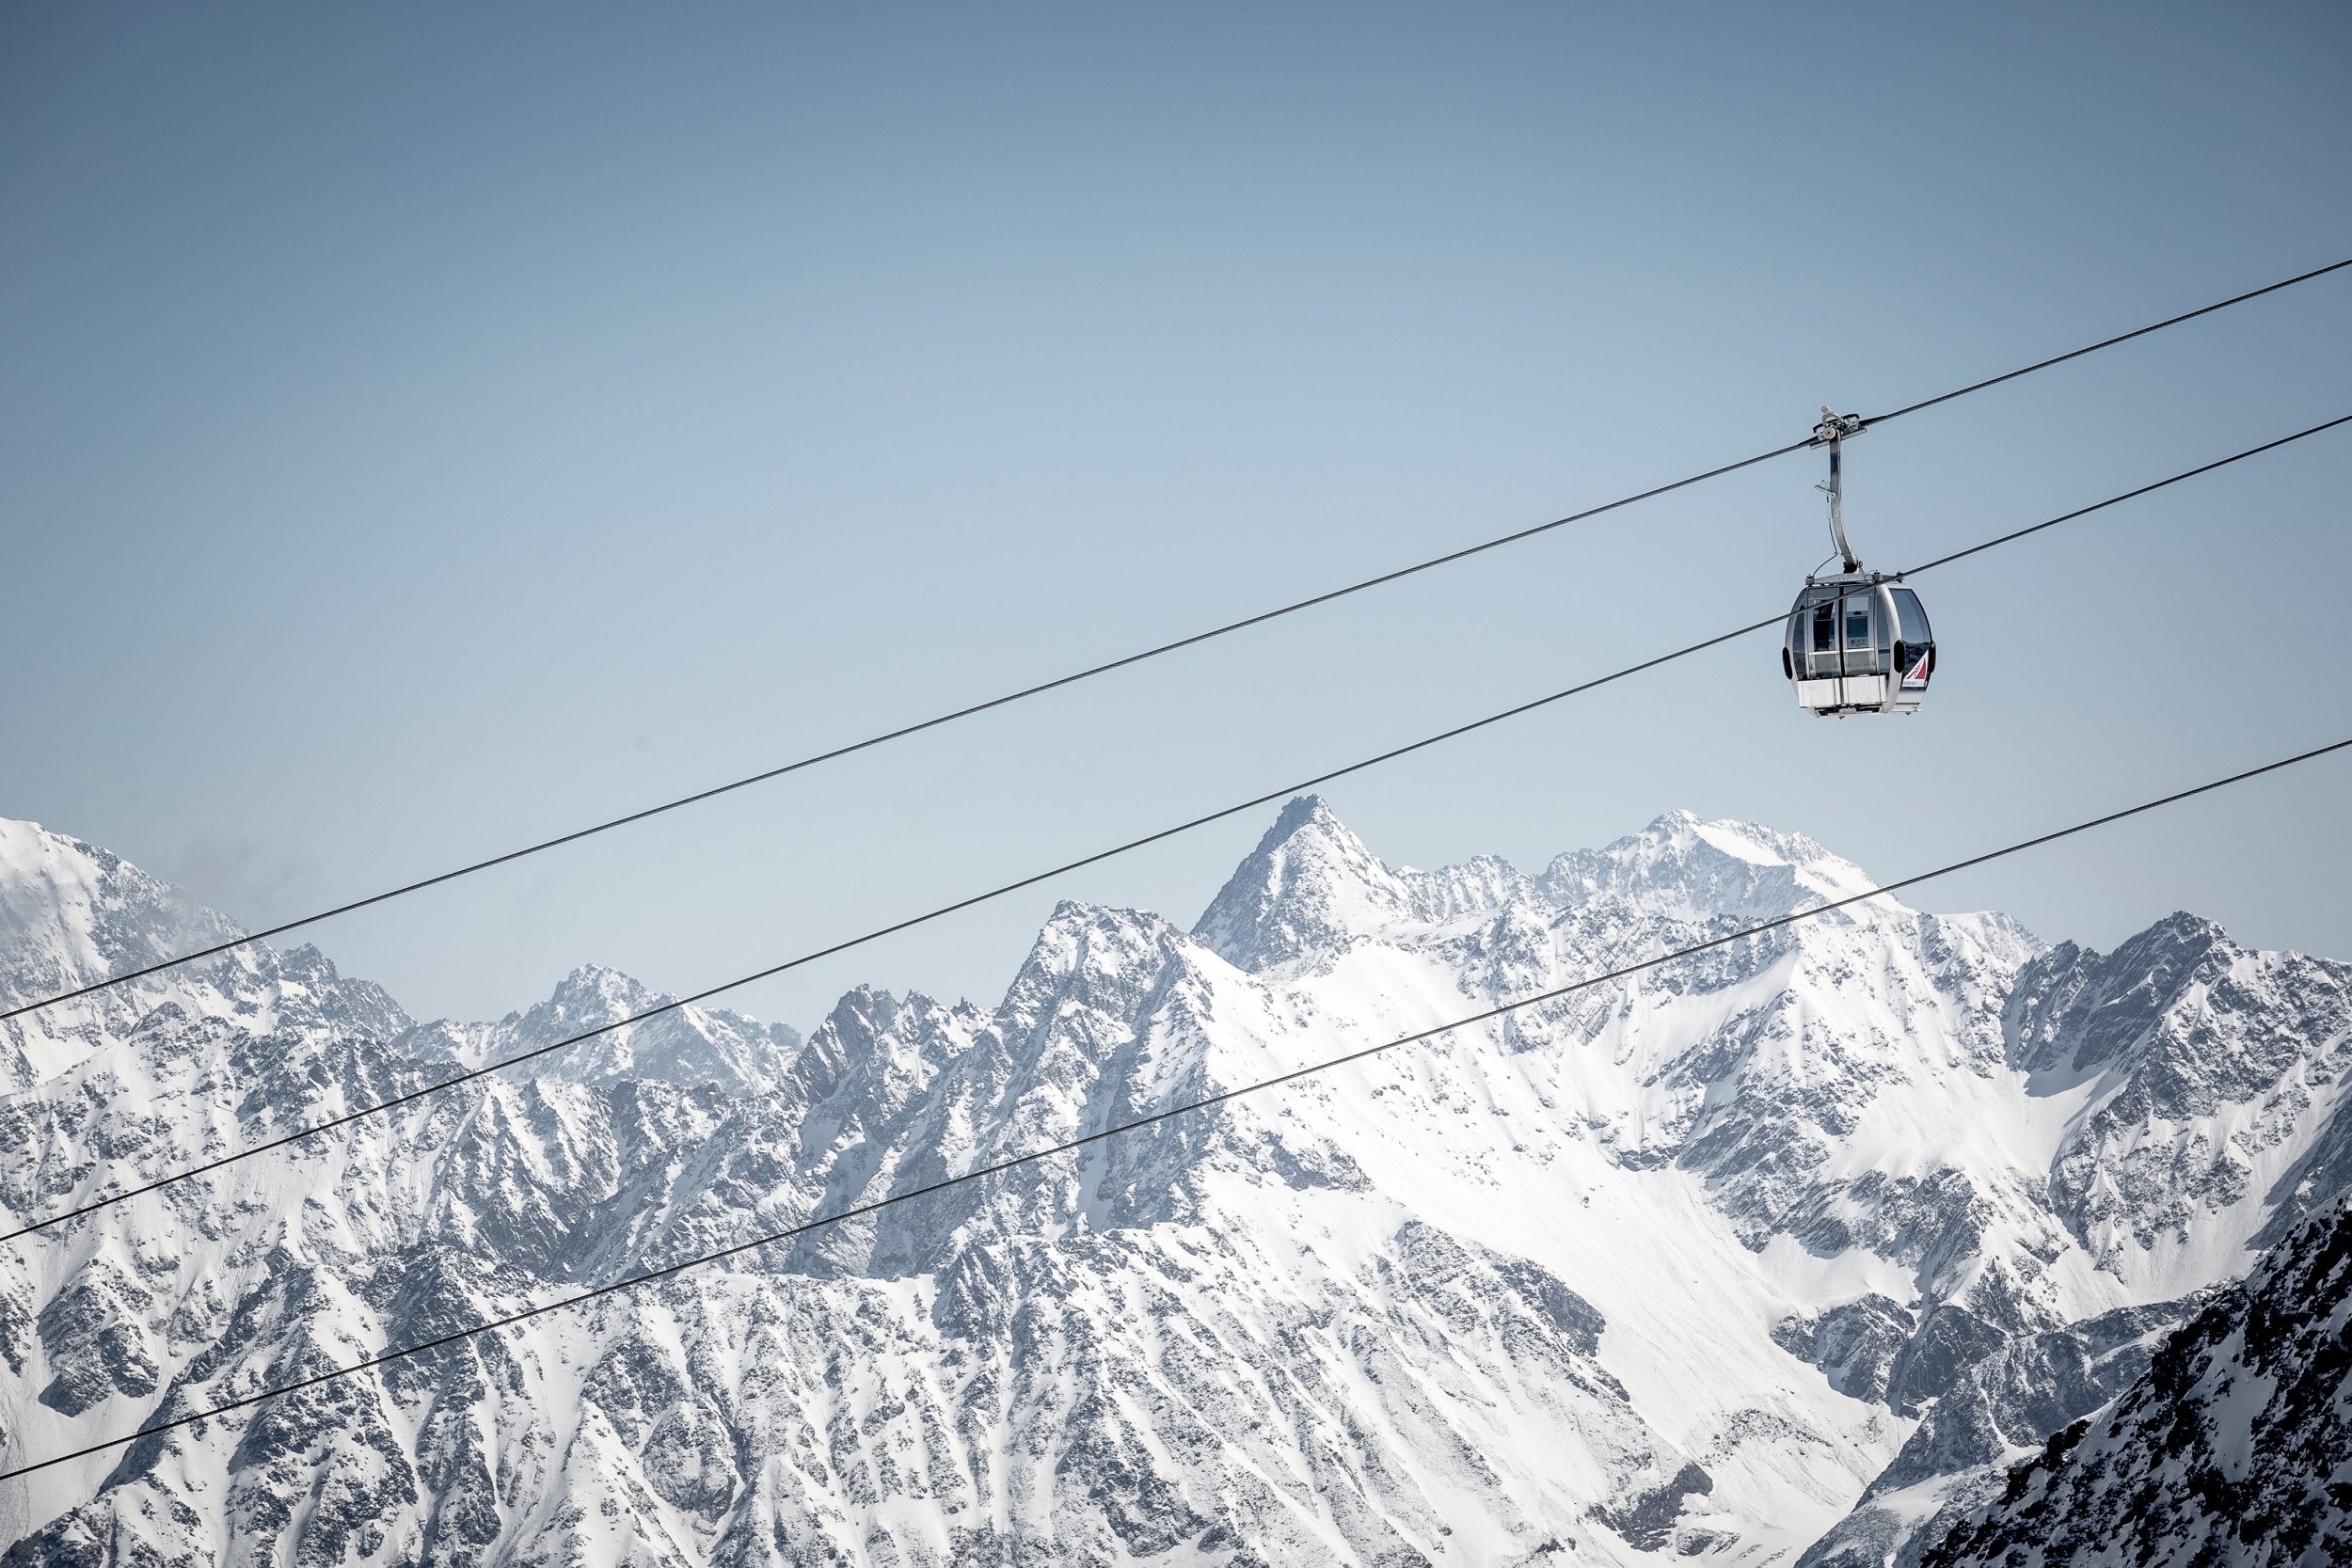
(432, 428)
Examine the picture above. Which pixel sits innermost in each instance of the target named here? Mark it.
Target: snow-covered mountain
(1778, 1250)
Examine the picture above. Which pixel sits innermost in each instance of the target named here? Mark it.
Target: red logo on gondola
(1918, 672)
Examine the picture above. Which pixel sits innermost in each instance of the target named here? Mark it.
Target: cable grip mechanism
(1836, 427)
(1833, 430)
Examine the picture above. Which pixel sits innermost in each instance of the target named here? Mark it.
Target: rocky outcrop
(2232, 1447)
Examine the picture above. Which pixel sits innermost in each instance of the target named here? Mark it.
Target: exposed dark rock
(2028, 1386)
(2229, 1449)
(1647, 1520)
(95, 1342)
(1948, 1343)
(1855, 1343)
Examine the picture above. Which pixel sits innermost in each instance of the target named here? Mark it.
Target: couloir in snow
(1784, 1251)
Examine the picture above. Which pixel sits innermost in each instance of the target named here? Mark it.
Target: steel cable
(676, 1004)
(1043, 687)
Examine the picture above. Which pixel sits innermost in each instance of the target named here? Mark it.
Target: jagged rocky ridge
(2233, 1447)
(1690, 1264)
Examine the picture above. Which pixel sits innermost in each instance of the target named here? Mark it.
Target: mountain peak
(689, 1045)
(1302, 811)
(594, 992)
(1309, 889)
(1690, 867)
(72, 912)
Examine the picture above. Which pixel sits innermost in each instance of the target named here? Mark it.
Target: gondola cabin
(1858, 643)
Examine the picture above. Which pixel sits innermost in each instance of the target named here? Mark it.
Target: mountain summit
(1310, 890)
(1694, 871)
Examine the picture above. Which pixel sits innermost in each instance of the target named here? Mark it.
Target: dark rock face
(94, 1341)
(2019, 1389)
(1648, 1521)
(1856, 1344)
(2229, 1449)
(1952, 1340)
(2023, 1387)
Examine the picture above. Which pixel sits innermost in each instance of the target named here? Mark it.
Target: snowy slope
(1685, 1264)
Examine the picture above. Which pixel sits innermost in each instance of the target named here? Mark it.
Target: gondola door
(1819, 664)
(1860, 621)
(1914, 651)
